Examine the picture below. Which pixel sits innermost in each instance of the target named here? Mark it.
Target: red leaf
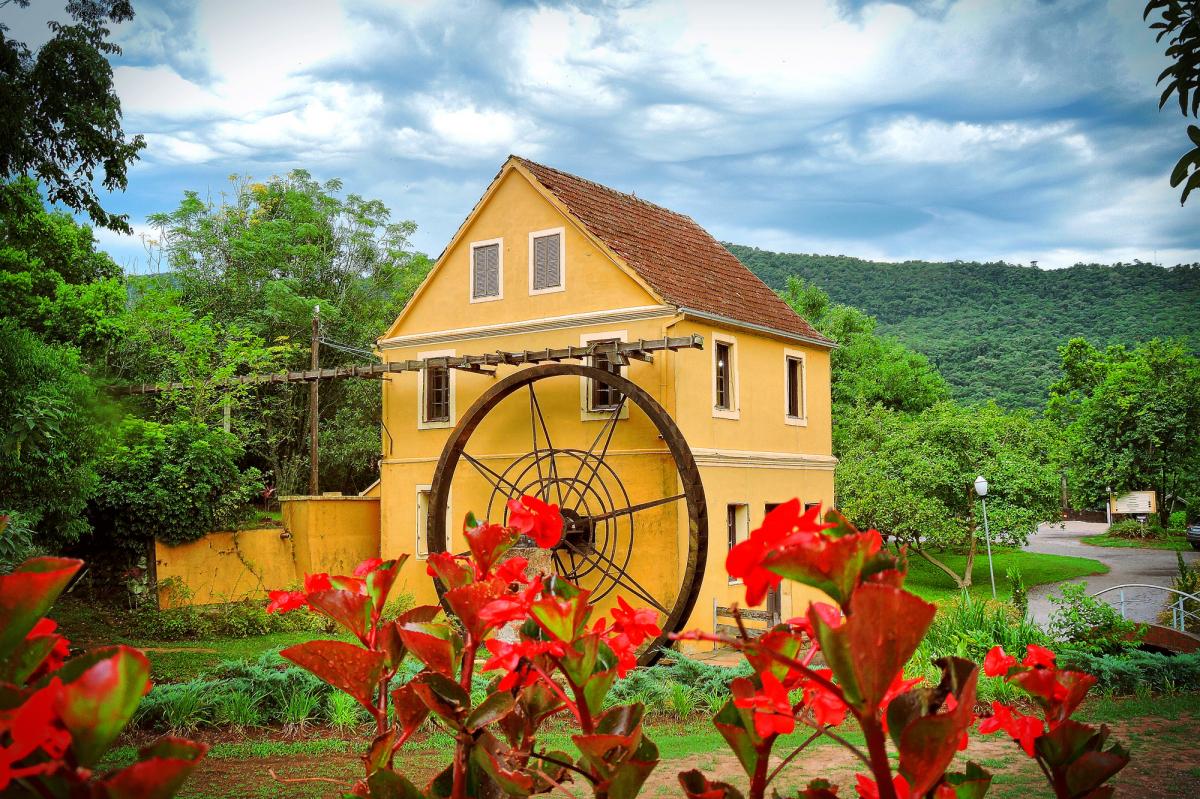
(928, 744)
(99, 697)
(410, 711)
(697, 786)
(27, 593)
(488, 542)
(352, 611)
(468, 600)
(160, 772)
(351, 668)
(432, 644)
(380, 579)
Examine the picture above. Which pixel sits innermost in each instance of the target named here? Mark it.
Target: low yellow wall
(319, 534)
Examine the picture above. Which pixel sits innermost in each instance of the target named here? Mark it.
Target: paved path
(1126, 565)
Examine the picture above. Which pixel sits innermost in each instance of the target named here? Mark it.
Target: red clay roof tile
(673, 254)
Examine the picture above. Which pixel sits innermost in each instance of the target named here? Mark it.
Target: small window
(738, 522)
(485, 271)
(547, 262)
(795, 388)
(724, 369)
(437, 394)
(603, 397)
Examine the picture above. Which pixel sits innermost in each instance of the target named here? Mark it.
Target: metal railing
(1179, 612)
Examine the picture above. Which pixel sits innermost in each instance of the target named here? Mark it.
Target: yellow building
(550, 260)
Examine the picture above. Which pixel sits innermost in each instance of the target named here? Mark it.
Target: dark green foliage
(62, 118)
(653, 682)
(175, 482)
(1131, 419)
(993, 330)
(52, 278)
(1136, 671)
(1090, 624)
(1020, 594)
(1133, 529)
(1178, 23)
(50, 432)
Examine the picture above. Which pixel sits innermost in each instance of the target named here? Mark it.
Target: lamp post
(981, 488)
(1108, 504)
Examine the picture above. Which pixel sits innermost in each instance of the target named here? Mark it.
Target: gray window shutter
(486, 277)
(547, 269)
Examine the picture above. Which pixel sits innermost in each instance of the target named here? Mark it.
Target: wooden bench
(757, 621)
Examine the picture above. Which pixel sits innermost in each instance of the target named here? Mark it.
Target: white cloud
(912, 140)
(451, 128)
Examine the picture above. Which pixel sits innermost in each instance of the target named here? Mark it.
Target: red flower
(513, 570)
(827, 708)
(539, 520)
(285, 601)
(367, 566)
(450, 569)
(638, 624)
(1038, 656)
(996, 663)
(867, 788)
(1058, 692)
(785, 525)
(623, 648)
(45, 628)
(772, 707)
(515, 658)
(317, 582)
(1022, 729)
(898, 687)
(34, 725)
(511, 607)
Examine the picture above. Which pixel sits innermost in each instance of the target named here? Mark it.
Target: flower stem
(881, 769)
(463, 747)
(758, 781)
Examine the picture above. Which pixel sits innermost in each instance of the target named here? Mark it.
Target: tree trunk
(950, 572)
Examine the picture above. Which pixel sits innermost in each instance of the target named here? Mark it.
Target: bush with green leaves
(1137, 671)
(1090, 624)
(1020, 594)
(174, 482)
(1178, 520)
(1134, 530)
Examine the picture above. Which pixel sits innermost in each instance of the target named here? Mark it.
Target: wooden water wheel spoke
(490, 475)
(632, 509)
(538, 420)
(607, 537)
(618, 575)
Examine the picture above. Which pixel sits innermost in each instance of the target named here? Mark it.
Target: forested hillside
(993, 329)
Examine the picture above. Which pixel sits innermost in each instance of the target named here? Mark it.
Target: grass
(931, 583)
(1174, 543)
(179, 661)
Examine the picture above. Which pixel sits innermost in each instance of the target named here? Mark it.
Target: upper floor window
(795, 390)
(437, 394)
(546, 257)
(487, 270)
(725, 383)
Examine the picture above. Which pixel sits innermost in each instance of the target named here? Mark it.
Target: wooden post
(313, 456)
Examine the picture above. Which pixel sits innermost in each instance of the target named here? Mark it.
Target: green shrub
(1020, 595)
(1136, 671)
(298, 709)
(968, 627)
(1091, 624)
(239, 709)
(1177, 520)
(180, 708)
(1134, 530)
(652, 683)
(16, 541)
(174, 482)
(681, 701)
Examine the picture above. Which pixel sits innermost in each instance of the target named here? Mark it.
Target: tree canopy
(61, 120)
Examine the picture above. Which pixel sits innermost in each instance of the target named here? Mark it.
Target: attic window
(546, 261)
(486, 270)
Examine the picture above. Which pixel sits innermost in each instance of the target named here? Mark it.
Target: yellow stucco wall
(329, 534)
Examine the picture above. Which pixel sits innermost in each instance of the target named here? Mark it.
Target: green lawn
(179, 661)
(930, 582)
(1176, 543)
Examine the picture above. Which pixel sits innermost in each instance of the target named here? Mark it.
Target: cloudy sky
(978, 129)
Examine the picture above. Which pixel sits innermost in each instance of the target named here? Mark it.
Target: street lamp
(981, 488)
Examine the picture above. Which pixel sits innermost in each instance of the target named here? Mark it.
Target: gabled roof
(676, 257)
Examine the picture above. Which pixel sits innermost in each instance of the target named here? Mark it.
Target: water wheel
(635, 518)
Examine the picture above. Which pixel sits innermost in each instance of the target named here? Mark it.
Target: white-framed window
(597, 401)
(737, 521)
(435, 392)
(795, 387)
(547, 261)
(487, 270)
(424, 498)
(725, 399)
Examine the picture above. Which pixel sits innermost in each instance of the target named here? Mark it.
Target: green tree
(1178, 22)
(911, 475)
(53, 280)
(62, 117)
(1131, 419)
(262, 260)
(174, 482)
(866, 367)
(50, 434)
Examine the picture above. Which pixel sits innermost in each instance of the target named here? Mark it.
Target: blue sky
(977, 130)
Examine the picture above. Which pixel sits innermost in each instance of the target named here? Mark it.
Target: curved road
(1126, 565)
